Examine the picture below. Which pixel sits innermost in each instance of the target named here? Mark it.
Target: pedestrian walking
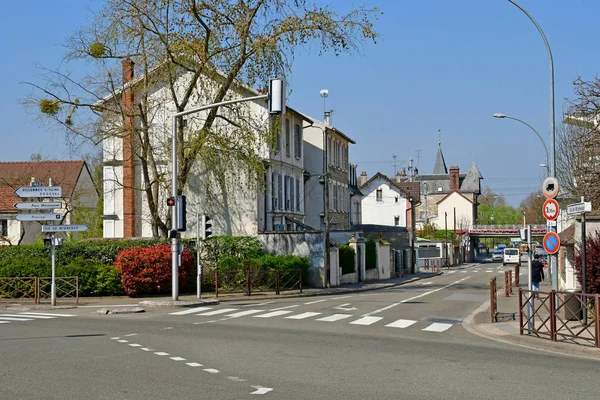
(537, 273)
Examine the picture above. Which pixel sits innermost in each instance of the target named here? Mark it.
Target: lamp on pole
(502, 116)
(276, 97)
(552, 172)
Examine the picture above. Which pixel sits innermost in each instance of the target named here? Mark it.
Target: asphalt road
(405, 342)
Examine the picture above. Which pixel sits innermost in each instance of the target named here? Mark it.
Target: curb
(177, 303)
(20, 307)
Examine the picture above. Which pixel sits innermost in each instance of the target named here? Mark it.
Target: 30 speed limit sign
(550, 209)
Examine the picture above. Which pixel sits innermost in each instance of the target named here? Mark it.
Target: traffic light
(181, 214)
(206, 227)
(170, 201)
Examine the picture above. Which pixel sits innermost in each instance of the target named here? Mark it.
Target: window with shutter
(288, 143)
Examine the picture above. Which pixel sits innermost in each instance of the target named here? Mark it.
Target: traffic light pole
(276, 98)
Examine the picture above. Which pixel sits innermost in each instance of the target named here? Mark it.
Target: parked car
(497, 256)
(511, 256)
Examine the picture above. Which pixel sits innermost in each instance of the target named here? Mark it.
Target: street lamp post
(276, 97)
(552, 172)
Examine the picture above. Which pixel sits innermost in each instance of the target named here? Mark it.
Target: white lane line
(191, 310)
(123, 341)
(261, 390)
(146, 349)
(451, 272)
(304, 315)
(15, 319)
(135, 345)
(104, 306)
(401, 323)
(221, 311)
(4, 322)
(131, 334)
(177, 358)
(236, 379)
(23, 316)
(366, 320)
(315, 302)
(426, 283)
(283, 308)
(243, 313)
(272, 314)
(161, 353)
(54, 315)
(464, 272)
(437, 327)
(334, 317)
(211, 370)
(258, 304)
(116, 338)
(339, 298)
(205, 322)
(194, 364)
(415, 297)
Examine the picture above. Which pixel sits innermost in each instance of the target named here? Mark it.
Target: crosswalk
(289, 313)
(7, 318)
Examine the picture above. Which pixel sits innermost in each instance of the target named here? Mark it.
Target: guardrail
(493, 300)
(247, 282)
(38, 288)
(560, 316)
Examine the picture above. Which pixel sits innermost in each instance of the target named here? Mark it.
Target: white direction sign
(39, 217)
(39, 191)
(579, 208)
(38, 206)
(64, 228)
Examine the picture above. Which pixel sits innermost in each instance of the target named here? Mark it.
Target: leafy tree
(532, 207)
(217, 46)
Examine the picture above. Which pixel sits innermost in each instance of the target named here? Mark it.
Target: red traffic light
(171, 202)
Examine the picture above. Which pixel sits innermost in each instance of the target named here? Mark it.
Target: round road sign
(551, 242)
(550, 209)
(550, 187)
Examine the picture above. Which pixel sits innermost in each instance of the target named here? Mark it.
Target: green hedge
(219, 247)
(371, 254)
(347, 259)
(266, 261)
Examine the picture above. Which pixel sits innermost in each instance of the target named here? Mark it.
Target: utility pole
(446, 238)
(326, 206)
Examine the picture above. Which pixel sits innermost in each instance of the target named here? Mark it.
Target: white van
(511, 256)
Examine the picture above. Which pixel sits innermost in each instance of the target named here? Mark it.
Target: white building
(383, 202)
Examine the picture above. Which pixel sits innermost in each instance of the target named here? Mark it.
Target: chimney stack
(363, 178)
(454, 179)
(327, 118)
(128, 150)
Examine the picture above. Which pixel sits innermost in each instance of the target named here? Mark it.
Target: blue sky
(439, 65)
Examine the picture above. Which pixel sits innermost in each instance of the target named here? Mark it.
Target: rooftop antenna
(394, 157)
(439, 138)
(410, 168)
(418, 156)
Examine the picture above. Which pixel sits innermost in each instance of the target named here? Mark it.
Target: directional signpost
(64, 228)
(39, 217)
(39, 191)
(581, 209)
(47, 205)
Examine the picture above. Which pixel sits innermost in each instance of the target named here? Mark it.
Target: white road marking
(339, 298)
(146, 349)
(15, 319)
(135, 345)
(54, 315)
(212, 370)
(4, 322)
(123, 341)
(334, 317)
(401, 323)
(116, 338)
(242, 313)
(426, 283)
(194, 364)
(464, 272)
(161, 353)
(221, 311)
(131, 334)
(437, 327)
(191, 310)
(341, 307)
(315, 302)
(258, 304)
(177, 358)
(415, 297)
(236, 379)
(23, 316)
(261, 390)
(451, 272)
(303, 315)
(205, 322)
(272, 314)
(366, 321)
(283, 308)
(104, 306)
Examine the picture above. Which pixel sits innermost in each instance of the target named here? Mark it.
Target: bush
(147, 270)
(347, 259)
(272, 262)
(592, 264)
(371, 254)
(218, 247)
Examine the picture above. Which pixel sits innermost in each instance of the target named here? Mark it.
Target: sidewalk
(506, 330)
(190, 300)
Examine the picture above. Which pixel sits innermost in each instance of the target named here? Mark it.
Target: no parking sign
(551, 242)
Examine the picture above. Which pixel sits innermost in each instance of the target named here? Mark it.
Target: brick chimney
(128, 151)
(362, 179)
(454, 179)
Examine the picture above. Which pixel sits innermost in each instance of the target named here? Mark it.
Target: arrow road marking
(261, 390)
(341, 307)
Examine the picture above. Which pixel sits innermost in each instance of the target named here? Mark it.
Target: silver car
(497, 256)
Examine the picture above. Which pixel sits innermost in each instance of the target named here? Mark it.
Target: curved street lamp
(502, 116)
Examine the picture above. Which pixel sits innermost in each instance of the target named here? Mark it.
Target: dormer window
(379, 194)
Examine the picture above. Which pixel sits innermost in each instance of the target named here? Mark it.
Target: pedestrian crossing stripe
(334, 317)
(366, 320)
(273, 314)
(401, 323)
(304, 315)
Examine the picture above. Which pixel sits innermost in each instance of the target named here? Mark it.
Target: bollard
(517, 274)
(510, 282)
(506, 284)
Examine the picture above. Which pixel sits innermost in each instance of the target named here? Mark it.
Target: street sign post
(550, 209)
(64, 228)
(551, 243)
(47, 205)
(579, 208)
(39, 191)
(39, 217)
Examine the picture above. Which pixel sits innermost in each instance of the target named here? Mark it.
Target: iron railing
(38, 288)
(247, 282)
(560, 316)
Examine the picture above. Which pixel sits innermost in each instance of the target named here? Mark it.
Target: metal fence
(38, 288)
(247, 282)
(560, 316)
